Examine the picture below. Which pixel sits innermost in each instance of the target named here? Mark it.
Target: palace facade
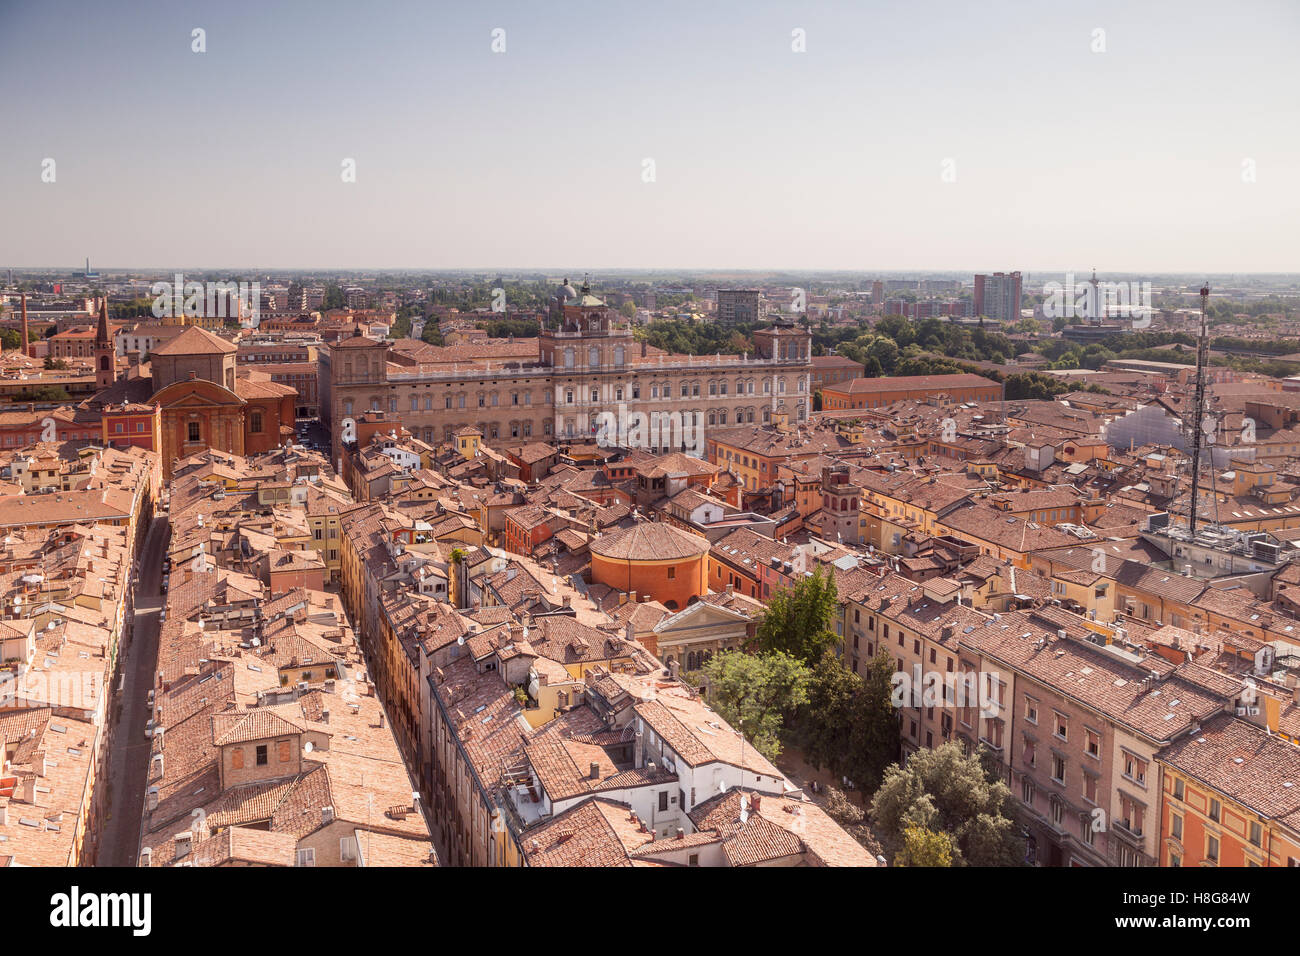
(585, 361)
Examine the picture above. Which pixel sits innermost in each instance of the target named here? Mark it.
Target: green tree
(798, 619)
(946, 791)
(876, 736)
(333, 298)
(885, 351)
(628, 309)
(824, 726)
(755, 692)
(922, 847)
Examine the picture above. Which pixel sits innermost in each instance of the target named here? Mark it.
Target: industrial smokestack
(26, 347)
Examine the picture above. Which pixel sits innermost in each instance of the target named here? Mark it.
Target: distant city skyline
(783, 138)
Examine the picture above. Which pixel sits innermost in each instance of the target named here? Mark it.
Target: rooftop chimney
(26, 345)
(595, 770)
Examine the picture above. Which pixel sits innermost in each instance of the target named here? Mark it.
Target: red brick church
(189, 397)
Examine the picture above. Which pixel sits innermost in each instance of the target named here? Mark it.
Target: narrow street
(128, 763)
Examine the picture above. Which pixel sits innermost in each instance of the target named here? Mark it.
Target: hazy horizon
(905, 138)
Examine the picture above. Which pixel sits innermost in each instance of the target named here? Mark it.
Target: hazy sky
(1129, 159)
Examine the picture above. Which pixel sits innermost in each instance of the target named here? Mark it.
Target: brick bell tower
(105, 351)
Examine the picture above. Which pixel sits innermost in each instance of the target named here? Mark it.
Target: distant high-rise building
(877, 292)
(740, 305)
(997, 296)
(312, 299)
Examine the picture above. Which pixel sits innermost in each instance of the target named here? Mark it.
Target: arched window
(103, 363)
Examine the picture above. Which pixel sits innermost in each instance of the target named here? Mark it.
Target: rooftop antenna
(1202, 348)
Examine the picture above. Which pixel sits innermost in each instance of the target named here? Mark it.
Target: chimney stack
(639, 750)
(26, 345)
(595, 770)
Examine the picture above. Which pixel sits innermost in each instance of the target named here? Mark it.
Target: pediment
(701, 614)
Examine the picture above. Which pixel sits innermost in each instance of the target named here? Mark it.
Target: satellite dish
(307, 747)
(18, 600)
(461, 640)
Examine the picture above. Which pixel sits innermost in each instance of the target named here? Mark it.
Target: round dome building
(656, 560)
